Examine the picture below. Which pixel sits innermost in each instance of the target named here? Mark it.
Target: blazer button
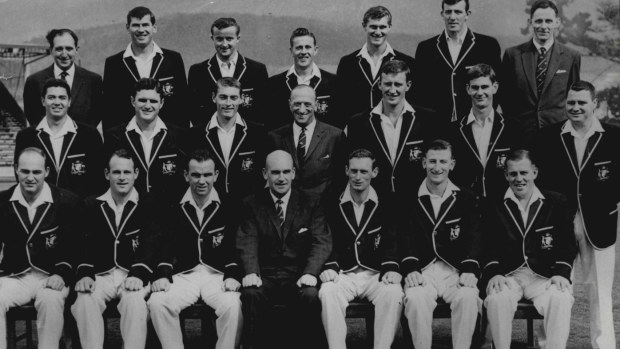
(200, 240)
(358, 243)
(454, 94)
(30, 245)
(526, 258)
(117, 242)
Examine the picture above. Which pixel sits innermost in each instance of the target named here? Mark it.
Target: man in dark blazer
(579, 158)
(320, 151)
(227, 62)
(73, 149)
(143, 58)
(303, 72)
(535, 83)
(86, 86)
(529, 252)
(357, 76)
(283, 241)
(439, 76)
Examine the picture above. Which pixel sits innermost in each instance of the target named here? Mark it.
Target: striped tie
(280, 211)
(63, 75)
(301, 146)
(541, 70)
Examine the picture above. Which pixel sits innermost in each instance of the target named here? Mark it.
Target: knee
(416, 295)
(156, 301)
(309, 295)
(132, 299)
(497, 299)
(251, 295)
(391, 293)
(562, 299)
(231, 301)
(50, 297)
(328, 291)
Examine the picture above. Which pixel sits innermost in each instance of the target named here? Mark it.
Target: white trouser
(553, 304)
(131, 306)
(185, 290)
(420, 302)
(336, 295)
(50, 305)
(597, 268)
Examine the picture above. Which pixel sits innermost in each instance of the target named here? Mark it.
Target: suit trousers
(336, 295)
(50, 304)
(131, 307)
(185, 290)
(442, 281)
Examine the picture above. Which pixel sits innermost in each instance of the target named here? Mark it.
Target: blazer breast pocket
(247, 97)
(168, 164)
(167, 85)
(502, 155)
(545, 236)
(77, 164)
(602, 170)
(414, 150)
(455, 228)
(247, 160)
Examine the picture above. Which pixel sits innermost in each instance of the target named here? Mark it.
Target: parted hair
(299, 32)
(377, 12)
(58, 32)
(148, 84)
(53, 82)
(139, 13)
(225, 22)
(479, 71)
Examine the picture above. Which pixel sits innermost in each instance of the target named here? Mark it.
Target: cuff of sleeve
(563, 269)
(164, 270)
(233, 270)
(470, 266)
(490, 270)
(408, 265)
(388, 266)
(332, 265)
(142, 272)
(65, 271)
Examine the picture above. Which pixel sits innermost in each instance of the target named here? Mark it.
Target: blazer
(546, 244)
(520, 98)
(280, 87)
(439, 84)
(86, 96)
(593, 188)
(48, 243)
(80, 169)
(202, 86)
(453, 236)
(120, 76)
(489, 180)
(357, 90)
(322, 169)
(300, 246)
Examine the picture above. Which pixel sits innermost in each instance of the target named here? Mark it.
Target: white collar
(547, 45)
(68, 126)
(372, 196)
(309, 128)
(595, 127)
(284, 199)
(107, 197)
(536, 194)
(315, 71)
(188, 197)
(378, 109)
(133, 125)
(460, 37)
(70, 71)
(423, 190)
(129, 52)
(233, 60)
(472, 118)
(364, 51)
(213, 122)
(44, 196)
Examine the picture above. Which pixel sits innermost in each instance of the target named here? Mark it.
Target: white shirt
(536, 194)
(147, 141)
(144, 65)
(226, 137)
(454, 45)
(226, 70)
(284, 199)
(70, 74)
(58, 138)
(213, 197)
(359, 209)
(305, 80)
(374, 67)
(391, 131)
(118, 209)
(582, 142)
(437, 200)
(44, 196)
(547, 45)
(309, 132)
(482, 133)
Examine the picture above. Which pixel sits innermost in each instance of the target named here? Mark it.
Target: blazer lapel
(289, 143)
(375, 123)
(366, 71)
(240, 133)
(128, 211)
(214, 70)
(528, 59)
(496, 131)
(158, 140)
(445, 208)
(44, 138)
(315, 81)
(346, 209)
(41, 215)
(134, 141)
(240, 67)
(515, 214)
(593, 142)
(192, 217)
(110, 218)
(214, 141)
(425, 202)
(291, 81)
(369, 211)
(319, 130)
(532, 214)
(67, 142)
(405, 130)
(292, 209)
(270, 208)
(468, 44)
(157, 61)
(444, 52)
(468, 136)
(130, 64)
(78, 80)
(554, 62)
(569, 147)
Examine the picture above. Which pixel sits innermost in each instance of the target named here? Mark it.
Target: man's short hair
(363, 153)
(480, 71)
(58, 32)
(225, 22)
(53, 82)
(520, 154)
(376, 13)
(543, 4)
(395, 66)
(229, 81)
(199, 155)
(454, 2)
(583, 85)
(123, 154)
(139, 13)
(35, 150)
(440, 144)
(148, 84)
(299, 32)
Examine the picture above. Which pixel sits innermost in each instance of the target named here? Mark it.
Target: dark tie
(63, 75)
(280, 211)
(301, 146)
(541, 70)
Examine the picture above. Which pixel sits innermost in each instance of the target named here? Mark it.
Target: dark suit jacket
(322, 170)
(280, 86)
(357, 90)
(86, 96)
(594, 188)
(120, 76)
(81, 162)
(546, 244)
(300, 246)
(520, 98)
(439, 84)
(202, 84)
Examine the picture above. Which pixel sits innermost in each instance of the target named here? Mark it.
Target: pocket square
(560, 71)
(302, 230)
(327, 156)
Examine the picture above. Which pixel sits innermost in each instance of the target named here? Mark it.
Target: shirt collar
(188, 197)
(70, 71)
(423, 190)
(472, 118)
(315, 71)
(233, 60)
(213, 123)
(107, 197)
(284, 199)
(547, 45)
(378, 109)
(133, 126)
(364, 51)
(68, 126)
(44, 196)
(460, 38)
(536, 194)
(372, 196)
(309, 128)
(595, 127)
(129, 52)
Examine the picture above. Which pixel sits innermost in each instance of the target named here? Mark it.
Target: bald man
(283, 242)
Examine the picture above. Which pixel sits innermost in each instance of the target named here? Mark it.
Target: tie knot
(543, 51)
(279, 202)
(63, 75)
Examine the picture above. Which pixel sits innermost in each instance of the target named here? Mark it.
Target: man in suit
(116, 259)
(38, 238)
(303, 72)
(153, 142)
(394, 132)
(364, 260)
(483, 138)
(357, 75)
(530, 249)
(143, 58)
(441, 249)
(283, 242)
(73, 149)
(439, 76)
(579, 158)
(319, 147)
(86, 86)
(191, 268)
(227, 62)
(536, 75)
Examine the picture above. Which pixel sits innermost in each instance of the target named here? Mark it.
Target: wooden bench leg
(530, 334)
(10, 334)
(370, 328)
(29, 334)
